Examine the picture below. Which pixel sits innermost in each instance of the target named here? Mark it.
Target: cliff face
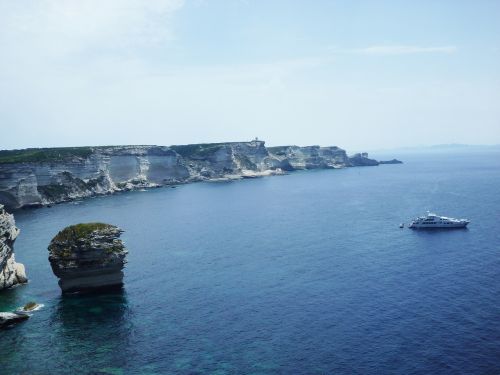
(45, 176)
(11, 273)
(88, 256)
(362, 160)
(311, 157)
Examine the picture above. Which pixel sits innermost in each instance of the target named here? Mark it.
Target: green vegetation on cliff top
(77, 231)
(198, 150)
(31, 155)
(37, 155)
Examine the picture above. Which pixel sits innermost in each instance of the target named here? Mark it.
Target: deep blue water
(301, 274)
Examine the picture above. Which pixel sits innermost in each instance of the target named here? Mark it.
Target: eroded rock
(11, 273)
(87, 257)
(7, 318)
(362, 160)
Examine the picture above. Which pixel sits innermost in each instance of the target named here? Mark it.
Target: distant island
(442, 148)
(461, 146)
(43, 176)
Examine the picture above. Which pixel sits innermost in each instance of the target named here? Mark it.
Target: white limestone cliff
(36, 177)
(11, 273)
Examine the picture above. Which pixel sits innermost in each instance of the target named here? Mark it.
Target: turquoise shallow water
(306, 274)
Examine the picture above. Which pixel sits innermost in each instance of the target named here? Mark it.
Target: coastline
(42, 177)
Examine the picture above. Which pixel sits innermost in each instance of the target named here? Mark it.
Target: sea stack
(11, 273)
(88, 257)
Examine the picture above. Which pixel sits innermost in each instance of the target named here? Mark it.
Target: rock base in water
(88, 257)
(7, 319)
(90, 281)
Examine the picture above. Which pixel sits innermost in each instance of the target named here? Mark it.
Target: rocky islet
(88, 257)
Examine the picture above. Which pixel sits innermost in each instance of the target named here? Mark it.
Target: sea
(307, 273)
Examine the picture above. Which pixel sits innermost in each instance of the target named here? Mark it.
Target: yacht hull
(433, 221)
(438, 226)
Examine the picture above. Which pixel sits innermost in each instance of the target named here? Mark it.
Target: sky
(361, 75)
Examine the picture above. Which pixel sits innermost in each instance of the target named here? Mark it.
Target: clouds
(60, 27)
(177, 71)
(404, 50)
(61, 59)
(53, 48)
(388, 50)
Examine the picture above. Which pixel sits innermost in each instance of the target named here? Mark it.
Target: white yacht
(435, 221)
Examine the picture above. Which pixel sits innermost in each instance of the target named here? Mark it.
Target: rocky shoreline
(9, 318)
(40, 177)
(11, 272)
